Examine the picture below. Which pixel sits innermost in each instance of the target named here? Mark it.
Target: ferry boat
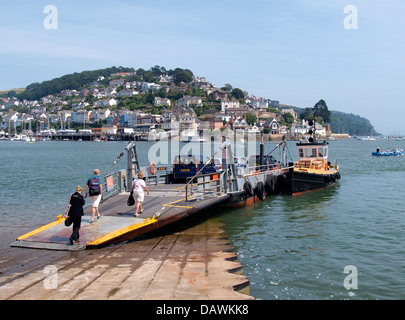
(313, 170)
(194, 186)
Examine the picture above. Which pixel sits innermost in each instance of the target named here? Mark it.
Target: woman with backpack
(95, 191)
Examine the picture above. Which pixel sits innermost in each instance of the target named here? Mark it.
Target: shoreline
(144, 138)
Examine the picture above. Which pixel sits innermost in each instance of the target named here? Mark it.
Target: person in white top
(138, 187)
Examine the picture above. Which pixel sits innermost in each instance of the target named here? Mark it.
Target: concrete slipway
(196, 262)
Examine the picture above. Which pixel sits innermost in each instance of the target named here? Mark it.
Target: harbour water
(290, 247)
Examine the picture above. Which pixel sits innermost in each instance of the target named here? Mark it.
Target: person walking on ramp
(95, 191)
(75, 214)
(138, 187)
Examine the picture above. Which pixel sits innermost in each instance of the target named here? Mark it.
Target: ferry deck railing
(206, 185)
(157, 179)
(273, 169)
(333, 165)
(113, 184)
(255, 169)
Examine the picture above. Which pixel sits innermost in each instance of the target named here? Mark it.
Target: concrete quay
(192, 260)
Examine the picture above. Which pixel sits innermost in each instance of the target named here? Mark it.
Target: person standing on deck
(95, 191)
(76, 212)
(138, 187)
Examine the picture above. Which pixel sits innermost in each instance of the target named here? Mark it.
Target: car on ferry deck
(186, 166)
(217, 163)
(239, 161)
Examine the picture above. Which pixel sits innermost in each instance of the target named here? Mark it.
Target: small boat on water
(389, 152)
(312, 171)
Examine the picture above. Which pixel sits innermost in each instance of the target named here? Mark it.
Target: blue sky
(294, 51)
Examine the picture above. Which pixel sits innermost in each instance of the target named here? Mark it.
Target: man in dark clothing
(75, 214)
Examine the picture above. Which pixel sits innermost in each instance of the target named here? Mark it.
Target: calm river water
(290, 247)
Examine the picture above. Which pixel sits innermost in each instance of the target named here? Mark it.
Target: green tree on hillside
(148, 76)
(307, 114)
(321, 110)
(228, 88)
(74, 81)
(250, 118)
(237, 93)
(181, 75)
(289, 119)
(158, 71)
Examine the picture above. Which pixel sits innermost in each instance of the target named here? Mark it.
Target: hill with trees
(352, 124)
(340, 122)
(75, 81)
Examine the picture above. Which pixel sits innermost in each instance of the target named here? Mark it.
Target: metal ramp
(166, 204)
(55, 235)
(117, 220)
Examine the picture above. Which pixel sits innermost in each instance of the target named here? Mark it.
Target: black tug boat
(312, 171)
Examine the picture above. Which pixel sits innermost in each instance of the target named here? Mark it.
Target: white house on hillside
(229, 104)
(188, 101)
(260, 103)
(103, 103)
(161, 102)
(303, 128)
(127, 93)
(146, 86)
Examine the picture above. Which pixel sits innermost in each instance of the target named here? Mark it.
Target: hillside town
(185, 109)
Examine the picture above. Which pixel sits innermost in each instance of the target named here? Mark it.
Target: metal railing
(276, 168)
(112, 184)
(333, 165)
(254, 170)
(207, 185)
(157, 179)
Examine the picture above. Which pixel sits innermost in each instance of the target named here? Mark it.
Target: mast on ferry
(313, 130)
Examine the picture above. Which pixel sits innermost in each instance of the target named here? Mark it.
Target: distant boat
(389, 152)
(155, 135)
(17, 137)
(368, 138)
(193, 137)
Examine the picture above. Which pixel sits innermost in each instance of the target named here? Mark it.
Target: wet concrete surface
(190, 260)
